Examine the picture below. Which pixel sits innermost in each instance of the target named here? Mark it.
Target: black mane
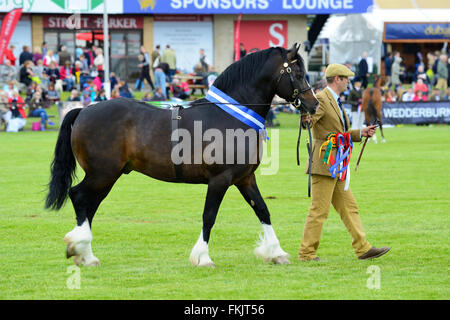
(238, 74)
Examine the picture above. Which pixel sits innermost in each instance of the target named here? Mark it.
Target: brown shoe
(313, 259)
(374, 253)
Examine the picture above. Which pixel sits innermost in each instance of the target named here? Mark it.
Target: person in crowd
(169, 57)
(161, 74)
(36, 109)
(124, 91)
(91, 89)
(101, 96)
(242, 51)
(420, 85)
(363, 69)
(4, 108)
(9, 54)
(39, 69)
(355, 98)
(202, 68)
(64, 56)
(388, 60)
(390, 96)
(66, 75)
(436, 95)
(408, 95)
(52, 94)
(114, 80)
(78, 52)
(156, 56)
(84, 63)
(37, 55)
(31, 89)
(52, 72)
(25, 55)
(159, 95)
(74, 96)
(7, 72)
(442, 73)
(115, 93)
(49, 58)
(396, 70)
(99, 61)
(421, 74)
(419, 96)
(144, 66)
(86, 99)
(27, 74)
(10, 88)
(212, 76)
(16, 116)
(177, 91)
(147, 97)
(44, 48)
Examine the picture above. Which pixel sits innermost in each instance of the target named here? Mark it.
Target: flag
(237, 42)
(8, 27)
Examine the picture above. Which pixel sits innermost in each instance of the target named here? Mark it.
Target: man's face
(357, 85)
(342, 83)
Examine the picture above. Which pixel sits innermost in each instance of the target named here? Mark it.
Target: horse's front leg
(217, 187)
(269, 248)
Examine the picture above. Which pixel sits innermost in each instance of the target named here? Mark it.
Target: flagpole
(106, 83)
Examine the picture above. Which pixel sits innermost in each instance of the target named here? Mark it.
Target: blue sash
(230, 106)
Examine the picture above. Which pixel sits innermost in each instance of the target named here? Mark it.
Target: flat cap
(336, 69)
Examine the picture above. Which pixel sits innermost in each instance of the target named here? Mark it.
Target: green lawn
(145, 229)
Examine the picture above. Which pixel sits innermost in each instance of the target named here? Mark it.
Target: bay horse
(114, 137)
(372, 105)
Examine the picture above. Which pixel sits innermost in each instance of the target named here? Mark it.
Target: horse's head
(292, 84)
(380, 81)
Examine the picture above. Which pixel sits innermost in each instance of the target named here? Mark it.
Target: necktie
(342, 113)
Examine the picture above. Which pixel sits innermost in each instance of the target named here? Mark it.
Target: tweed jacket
(326, 120)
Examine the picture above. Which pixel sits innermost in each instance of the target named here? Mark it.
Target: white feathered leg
(79, 245)
(199, 255)
(269, 248)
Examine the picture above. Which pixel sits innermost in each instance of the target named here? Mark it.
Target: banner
(271, 33)
(399, 32)
(413, 112)
(246, 6)
(8, 27)
(237, 42)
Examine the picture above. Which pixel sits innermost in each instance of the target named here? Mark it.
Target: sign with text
(95, 22)
(399, 32)
(261, 34)
(246, 6)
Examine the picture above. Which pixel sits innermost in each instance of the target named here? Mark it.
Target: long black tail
(371, 111)
(63, 165)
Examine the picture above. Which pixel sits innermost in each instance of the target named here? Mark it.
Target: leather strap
(175, 124)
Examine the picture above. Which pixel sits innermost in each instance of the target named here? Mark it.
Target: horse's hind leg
(217, 187)
(269, 248)
(86, 197)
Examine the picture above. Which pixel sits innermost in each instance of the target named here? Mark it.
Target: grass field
(145, 229)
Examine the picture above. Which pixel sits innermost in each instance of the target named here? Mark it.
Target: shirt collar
(334, 94)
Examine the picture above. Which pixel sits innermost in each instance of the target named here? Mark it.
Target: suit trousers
(325, 191)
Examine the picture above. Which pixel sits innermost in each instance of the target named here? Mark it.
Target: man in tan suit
(325, 190)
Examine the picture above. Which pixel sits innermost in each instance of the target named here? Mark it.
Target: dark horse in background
(372, 105)
(117, 136)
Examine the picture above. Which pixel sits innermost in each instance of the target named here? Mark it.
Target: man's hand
(368, 131)
(306, 118)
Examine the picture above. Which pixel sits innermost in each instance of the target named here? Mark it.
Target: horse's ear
(292, 53)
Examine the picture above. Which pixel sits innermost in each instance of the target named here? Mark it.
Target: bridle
(286, 70)
(296, 102)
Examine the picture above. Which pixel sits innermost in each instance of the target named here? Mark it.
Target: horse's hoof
(281, 260)
(93, 263)
(70, 250)
(383, 140)
(207, 264)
